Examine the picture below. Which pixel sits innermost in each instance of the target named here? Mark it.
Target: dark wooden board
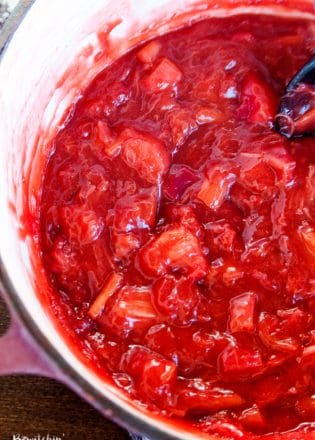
(32, 406)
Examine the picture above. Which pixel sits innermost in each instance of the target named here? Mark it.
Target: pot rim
(125, 417)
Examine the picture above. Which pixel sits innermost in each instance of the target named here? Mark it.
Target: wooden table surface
(30, 406)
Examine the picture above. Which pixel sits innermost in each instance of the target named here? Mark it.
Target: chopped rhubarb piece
(236, 363)
(307, 236)
(150, 370)
(258, 100)
(80, 224)
(253, 419)
(207, 115)
(176, 249)
(145, 154)
(307, 360)
(130, 311)
(282, 162)
(105, 136)
(148, 53)
(112, 283)
(216, 186)
(179, 178)
(242, 313)
(163, 76)
(176, 299)
(197, 395)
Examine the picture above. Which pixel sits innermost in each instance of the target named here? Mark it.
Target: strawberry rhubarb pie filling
(178, 229)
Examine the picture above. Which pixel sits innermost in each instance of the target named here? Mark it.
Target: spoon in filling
(296, 115)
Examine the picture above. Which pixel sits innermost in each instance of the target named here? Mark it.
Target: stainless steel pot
(51, 50)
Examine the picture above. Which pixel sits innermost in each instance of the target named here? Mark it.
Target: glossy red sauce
(178, 229)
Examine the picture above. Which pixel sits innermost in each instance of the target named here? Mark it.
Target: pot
(51, 52)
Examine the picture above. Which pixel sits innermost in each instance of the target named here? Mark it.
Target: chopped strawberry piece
(306, 406)
(307, 360)
(256, 175)
(221, 236)
(179, 178)
(144, 153)
(197, 395)
(112, 283)
(163, 76)
(80, 224)
(253, 419)
(282, 162)
(242, 313)
(236, 363)
(151, 372)
(258, 100)
(130, 310)
(123, 244)
(176, 299)
(216, 186)
(109, 350)
(133, 212)
(182, 125)
(185, 216)
(148, 53)
(173, 250)
(272, 336)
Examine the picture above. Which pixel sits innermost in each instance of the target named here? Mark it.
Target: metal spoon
(296, 114)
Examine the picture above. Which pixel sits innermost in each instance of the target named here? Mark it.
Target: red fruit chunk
(216, 186)
(145, 154)
(182, 125)
(112, 283)
(148, 53)
(176, 299)
(104, 135)
(185, 216)
(150, 371)
(307, 236)
(258, 100)
(307, 360)
(222, 425)
(130, 310)
(134, 212)
(123, 244)
(282, 162)
(179, 178)
(236, 363)
(163, 76)
(253, 419)
(80, 224)
(269, 330)
(242, 313)
(222, 236)
(176, 249)
(306, 406)
(197, 395)
(207, 115)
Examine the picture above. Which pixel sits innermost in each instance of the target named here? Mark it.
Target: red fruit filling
(178, 229)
